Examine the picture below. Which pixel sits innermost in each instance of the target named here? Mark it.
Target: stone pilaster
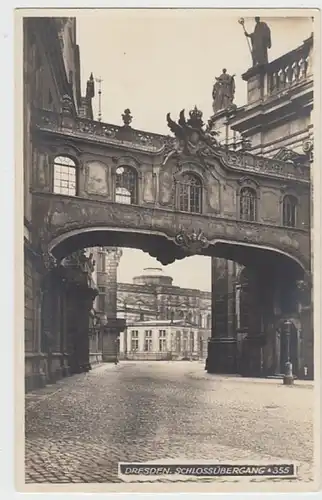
(110, 344)
(107, 280)
(223, 300)
(222, 345)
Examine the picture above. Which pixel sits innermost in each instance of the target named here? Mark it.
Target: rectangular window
(192, 341)
(64, 176)
(185, 341)
(178, 341)
(148, 340)
(162, 341)
(134, 340)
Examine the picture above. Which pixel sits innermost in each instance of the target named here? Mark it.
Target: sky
(155, 62)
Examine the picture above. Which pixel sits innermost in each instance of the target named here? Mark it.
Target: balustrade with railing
(290, 69)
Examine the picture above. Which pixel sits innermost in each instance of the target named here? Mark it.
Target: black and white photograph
(166, 338)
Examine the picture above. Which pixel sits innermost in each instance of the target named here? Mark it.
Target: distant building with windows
(162, 340)
(157, 312)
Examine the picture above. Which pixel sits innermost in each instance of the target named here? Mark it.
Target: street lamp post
(288, 378)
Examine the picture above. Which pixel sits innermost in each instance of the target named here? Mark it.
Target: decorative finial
(127, 117)
(99, 81)
(90, 92)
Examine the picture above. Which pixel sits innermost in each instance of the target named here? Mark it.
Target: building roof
(153, 276)
(162, 322)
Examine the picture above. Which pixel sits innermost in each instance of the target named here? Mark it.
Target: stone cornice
(98, 132)
(162, 289)
(264, 108)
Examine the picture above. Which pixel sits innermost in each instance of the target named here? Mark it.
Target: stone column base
(250, 360)
(35, 381)
(109, 351)
(222, 356)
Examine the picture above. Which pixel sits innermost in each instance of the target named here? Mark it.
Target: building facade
(162, 340)
(88, 183)
(276, 122)
(51, 76)
(153, 300)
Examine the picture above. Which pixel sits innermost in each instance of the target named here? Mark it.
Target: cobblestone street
(79, 429)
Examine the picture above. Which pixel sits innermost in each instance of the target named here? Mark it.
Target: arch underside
(166, 251)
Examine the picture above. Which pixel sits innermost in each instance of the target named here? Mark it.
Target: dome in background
(153, 276)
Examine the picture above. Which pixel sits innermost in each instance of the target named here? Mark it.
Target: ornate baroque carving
(267, 166)
(80, 214)
(191, 137)
(308, 148)
(193, 242)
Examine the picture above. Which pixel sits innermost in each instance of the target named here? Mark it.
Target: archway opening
(271, 269)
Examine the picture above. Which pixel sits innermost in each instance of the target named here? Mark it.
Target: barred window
(189, 193)
(248, 204)
(148, 340)
(126, 185)
(134, 340)
(289, 211)
(64, 176)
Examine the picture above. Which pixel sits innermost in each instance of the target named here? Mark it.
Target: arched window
(189, 193)
(64, 176)
(126, 185)
(248, 204)
(289, 211)
(208, 320)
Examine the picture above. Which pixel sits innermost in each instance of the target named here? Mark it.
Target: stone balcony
(291, 69)
(279, 103)
(96, 131)
(281, 75)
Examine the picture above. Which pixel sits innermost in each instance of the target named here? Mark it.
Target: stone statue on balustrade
(261, 42)
(223, 92)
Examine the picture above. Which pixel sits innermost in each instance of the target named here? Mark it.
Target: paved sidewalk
(204, 375)
(36, 396)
